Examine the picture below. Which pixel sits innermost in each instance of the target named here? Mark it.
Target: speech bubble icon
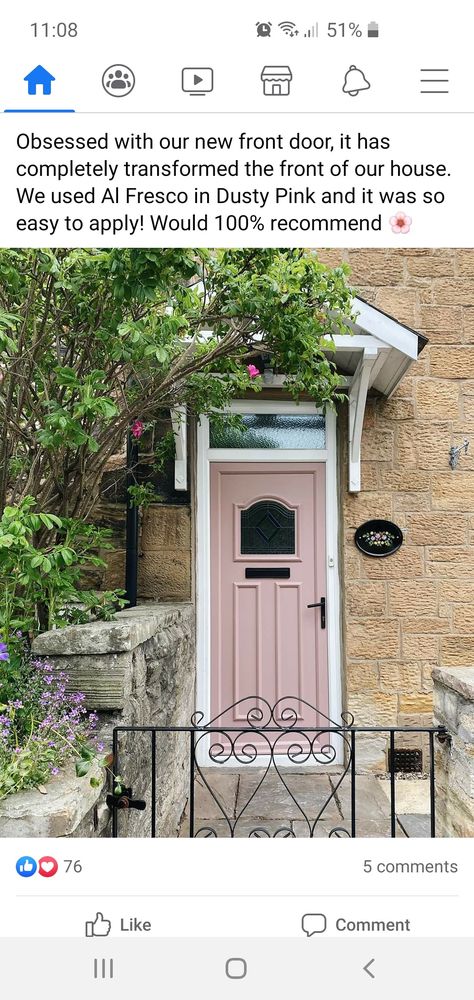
(313, 923)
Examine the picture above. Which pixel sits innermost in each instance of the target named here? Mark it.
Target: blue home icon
(39, 77)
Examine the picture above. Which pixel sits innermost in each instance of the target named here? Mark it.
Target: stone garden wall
(138, 669)
(454, 709)
(414, 611)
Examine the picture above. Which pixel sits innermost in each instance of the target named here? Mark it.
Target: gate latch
(125, 801)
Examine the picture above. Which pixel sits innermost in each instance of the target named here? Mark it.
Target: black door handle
(320, 604)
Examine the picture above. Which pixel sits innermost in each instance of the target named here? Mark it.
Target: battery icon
(373, 30)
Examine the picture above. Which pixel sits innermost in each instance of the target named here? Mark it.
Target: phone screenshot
(236, 499)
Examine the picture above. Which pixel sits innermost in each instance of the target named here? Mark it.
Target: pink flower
(253, 371)
(137, 428)
(401, 223)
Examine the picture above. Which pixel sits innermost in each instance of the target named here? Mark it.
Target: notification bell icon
(355, 81)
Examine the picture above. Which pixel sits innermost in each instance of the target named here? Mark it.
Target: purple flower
(55, 770)
(16, 704)
(4, 655)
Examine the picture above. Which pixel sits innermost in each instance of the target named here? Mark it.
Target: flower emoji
(137, 428)
(401, 223)
(253, 371)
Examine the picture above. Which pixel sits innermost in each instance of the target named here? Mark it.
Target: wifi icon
(289, 28)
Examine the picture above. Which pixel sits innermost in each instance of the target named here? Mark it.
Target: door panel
(265, 641)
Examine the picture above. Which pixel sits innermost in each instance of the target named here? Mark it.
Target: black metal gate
(271, 743)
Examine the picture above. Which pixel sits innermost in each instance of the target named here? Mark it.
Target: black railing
(275, 746)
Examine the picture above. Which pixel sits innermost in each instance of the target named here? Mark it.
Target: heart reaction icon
(47, 867)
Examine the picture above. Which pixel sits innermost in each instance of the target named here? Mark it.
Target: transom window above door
(271, 430)
(267, 528)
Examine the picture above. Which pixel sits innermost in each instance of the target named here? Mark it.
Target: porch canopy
(375, 358)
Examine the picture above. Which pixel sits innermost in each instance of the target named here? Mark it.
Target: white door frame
(206, 455)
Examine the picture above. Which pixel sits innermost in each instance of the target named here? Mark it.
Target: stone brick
(375, 708)
(453, 490)
(406, 564)
(453, 561)
(114, 574)
(421, 624)
(403, 502)
(457, 591)
(365, 598)
(166, 527)
(399, 303)
(396, 408)
(405, 677)
(408, 595)
(380, 268)
(420, 647)
(465, 263)
(165, 576)
(452, 362)
(377, 445)
(442, 324)
(415, 703)
(433, 529)
(369, 475)
(456, 292)
(463, 619)
(360, 507)
(362, 677)
(399, 480)
(436, 399)
(373, 638)
(424, 446)
(432, 264)
(468, 325)
(457, 651)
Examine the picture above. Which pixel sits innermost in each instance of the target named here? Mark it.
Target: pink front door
(268, 562)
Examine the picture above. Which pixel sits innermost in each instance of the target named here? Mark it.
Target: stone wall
(165, 559)
(137, 670)
(409, 613)
(454, 709)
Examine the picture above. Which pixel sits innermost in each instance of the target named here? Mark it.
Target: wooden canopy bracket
(357, 400)
(180, 430)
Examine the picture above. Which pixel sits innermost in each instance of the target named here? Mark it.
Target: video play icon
(197, 80)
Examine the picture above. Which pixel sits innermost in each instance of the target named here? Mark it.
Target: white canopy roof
(375, 358)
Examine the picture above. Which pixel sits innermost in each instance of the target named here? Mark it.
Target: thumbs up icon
(26, 866)
(98, 927)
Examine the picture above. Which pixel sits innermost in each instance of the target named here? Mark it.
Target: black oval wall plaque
(378, 538)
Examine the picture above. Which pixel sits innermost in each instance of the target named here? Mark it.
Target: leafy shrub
(42, 559)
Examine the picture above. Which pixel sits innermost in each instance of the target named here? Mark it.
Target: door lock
(320, 604)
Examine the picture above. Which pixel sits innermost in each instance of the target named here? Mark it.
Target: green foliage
(92, 339)
(41, 581)
(143, 495)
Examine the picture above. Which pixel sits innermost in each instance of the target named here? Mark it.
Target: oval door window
(267, 528)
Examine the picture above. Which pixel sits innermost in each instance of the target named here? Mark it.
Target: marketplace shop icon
(378, 538)
(276, 81)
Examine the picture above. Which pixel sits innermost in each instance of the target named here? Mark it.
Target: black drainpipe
(131, 557)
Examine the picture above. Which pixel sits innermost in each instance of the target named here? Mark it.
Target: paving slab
(410, 796)
(415, 825)
(371, 801)
(273, 799)
(224, 784)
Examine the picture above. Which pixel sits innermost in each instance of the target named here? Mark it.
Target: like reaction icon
(26, 866)
(98, 927)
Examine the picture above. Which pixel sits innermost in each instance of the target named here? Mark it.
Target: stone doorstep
(129, 629)
(411, 796)
(55, 814)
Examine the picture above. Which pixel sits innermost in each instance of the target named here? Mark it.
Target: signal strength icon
(289, 28)
(312, 31)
